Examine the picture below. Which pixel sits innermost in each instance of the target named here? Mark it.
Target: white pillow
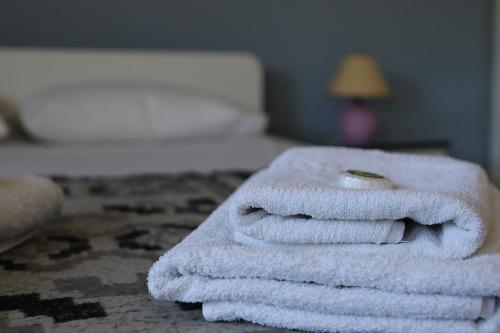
(131, 111)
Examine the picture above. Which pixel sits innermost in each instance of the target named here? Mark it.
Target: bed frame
(236, 76)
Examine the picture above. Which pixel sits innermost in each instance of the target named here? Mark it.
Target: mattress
(247, 153)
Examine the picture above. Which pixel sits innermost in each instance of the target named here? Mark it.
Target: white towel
(297, 200)
(331, 300)
(320, 322)
(25, 204)
(306, 287)
(290, 230)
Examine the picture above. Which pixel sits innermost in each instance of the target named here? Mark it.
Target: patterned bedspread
(87, 271)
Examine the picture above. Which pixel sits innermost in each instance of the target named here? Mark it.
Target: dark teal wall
(435, 53)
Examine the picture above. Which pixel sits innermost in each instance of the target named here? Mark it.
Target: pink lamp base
(358, 124)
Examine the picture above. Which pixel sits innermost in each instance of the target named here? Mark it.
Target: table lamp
(358, 78)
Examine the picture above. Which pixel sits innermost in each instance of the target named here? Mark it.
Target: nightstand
(437, 147)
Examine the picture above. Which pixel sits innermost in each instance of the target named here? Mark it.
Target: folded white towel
(298, 200)
(294, 230)
(329, 299)
(25, 204)
(320, 322)
(306, 287)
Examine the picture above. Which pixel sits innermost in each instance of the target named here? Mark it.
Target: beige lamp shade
(359, 76)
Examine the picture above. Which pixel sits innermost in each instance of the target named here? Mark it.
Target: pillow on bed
(115, 111)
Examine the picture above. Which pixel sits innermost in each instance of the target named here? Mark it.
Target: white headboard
(236, 76)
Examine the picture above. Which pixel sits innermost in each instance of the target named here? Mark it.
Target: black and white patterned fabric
(86, 272)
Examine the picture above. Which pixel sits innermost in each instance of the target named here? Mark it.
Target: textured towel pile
(308, 262)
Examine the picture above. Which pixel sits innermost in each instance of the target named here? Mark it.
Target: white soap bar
(363, 180)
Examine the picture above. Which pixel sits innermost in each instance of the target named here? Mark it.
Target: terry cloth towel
(297, 200)
(331, 289)
(25, 204)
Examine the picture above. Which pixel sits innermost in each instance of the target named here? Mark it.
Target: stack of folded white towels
(313, 243)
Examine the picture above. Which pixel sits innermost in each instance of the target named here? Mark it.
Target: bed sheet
(86, 271)
(247, 153)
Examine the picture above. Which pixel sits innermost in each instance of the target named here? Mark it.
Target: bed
(235, 76)
(125, 204)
